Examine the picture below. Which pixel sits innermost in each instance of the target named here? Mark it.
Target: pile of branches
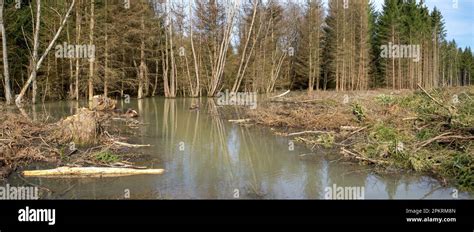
(74, 140)
(23, 141)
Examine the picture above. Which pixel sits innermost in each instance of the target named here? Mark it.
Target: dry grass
(326, 110)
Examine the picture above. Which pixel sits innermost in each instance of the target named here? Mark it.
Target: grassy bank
(430, 132)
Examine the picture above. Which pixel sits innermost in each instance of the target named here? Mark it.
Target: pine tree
(347, 44)
(308, 58)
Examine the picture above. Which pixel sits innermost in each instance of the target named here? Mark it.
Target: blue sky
(459, 21)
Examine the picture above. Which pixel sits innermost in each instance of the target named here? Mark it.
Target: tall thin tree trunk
(91, 59)
(6, 73)
(34, 58)
(141, 75)
(106, 68)
(46, 88)
(156, 78)
(165, 66)
(220, 56)
(196, 67)
(173, 87)
(71, 69)
(243, 64)
(78, 39)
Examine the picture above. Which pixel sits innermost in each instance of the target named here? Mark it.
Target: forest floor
(427, 132)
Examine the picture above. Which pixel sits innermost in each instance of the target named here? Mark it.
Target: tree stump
(81, 128)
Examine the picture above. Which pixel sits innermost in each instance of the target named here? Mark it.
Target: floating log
(90, 172)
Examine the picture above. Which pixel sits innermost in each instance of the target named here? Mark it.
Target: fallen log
(281, 95)
(131, 145)
(90, 172)
(240, 120)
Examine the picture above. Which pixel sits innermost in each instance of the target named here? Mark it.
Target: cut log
(90, 172)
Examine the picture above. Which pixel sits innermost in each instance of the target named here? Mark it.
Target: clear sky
(458, 17)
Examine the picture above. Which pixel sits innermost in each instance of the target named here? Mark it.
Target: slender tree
(6, 71)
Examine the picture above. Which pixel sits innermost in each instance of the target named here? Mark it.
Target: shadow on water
(207, 157)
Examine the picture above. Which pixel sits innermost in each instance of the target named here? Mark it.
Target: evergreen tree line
(75, 49)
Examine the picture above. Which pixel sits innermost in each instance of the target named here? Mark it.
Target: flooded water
(207, 157)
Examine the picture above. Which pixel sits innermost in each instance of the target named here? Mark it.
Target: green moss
(106, 157)
(384, 133)
(375, 150)
(327, 140)
(421, 161)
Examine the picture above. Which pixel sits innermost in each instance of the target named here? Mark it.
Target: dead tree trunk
(38, 64)
(243, 61)
(78, 39)
(196, 91)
